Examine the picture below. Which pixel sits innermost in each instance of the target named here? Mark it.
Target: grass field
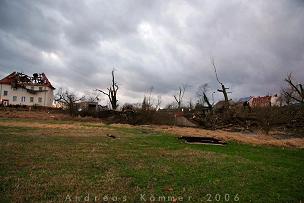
(66, 161)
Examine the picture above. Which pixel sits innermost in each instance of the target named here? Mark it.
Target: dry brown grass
(256, 139)
(95, 125)
(44, 115)
(39, 124)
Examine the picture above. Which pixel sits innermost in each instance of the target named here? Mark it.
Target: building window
(14, 98)
(39, 99)
(31, 99)
(22, 99)
(5, 93)
(40, 88)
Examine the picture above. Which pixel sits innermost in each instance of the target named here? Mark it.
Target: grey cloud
(155, 43)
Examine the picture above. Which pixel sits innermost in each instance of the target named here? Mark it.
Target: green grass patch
(40, 165)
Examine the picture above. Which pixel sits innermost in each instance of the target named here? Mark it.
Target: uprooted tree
(68, 99)
(294, 92)
(112, 92)
(224, 89)
(180, 95)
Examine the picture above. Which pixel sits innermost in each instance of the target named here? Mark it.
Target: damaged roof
(17, 79)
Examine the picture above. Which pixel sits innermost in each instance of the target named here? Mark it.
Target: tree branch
(213, 64)
(103, 92)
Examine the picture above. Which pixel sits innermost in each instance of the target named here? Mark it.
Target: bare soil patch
(256, 139)
(202, 140)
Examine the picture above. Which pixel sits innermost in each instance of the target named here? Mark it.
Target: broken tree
(112, 92)
(224, 89)
(180, 95)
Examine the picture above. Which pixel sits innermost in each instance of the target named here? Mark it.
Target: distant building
(20, 89)
(265, 101)
(276, 100)
(87, 106)
(260, 101)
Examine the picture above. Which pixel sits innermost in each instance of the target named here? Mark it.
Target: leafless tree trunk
(191, 106)
(294, 92)
(224, 89)
(158, 102)
(144, 105)
(112, 92)
(149, 98)
(180, 95)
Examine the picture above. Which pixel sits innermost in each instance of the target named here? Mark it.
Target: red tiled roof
(29, 80)
(8, 79)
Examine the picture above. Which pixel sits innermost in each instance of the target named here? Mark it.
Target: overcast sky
(155, 43)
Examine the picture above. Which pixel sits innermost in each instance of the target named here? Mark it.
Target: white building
(20, 89)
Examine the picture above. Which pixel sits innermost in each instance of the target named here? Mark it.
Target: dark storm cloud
(155, 43)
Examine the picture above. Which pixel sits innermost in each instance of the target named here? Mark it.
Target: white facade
(43, 95)
(276, 100)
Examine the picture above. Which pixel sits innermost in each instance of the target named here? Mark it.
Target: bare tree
(294, 92)
(149, 97)
(284, 95)
(202, 95)
(191, 106)
(145, 106)
(68, 99)
(112, 92)
(158, 103)
(180, 95)
(147, 103)
(224, 89)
